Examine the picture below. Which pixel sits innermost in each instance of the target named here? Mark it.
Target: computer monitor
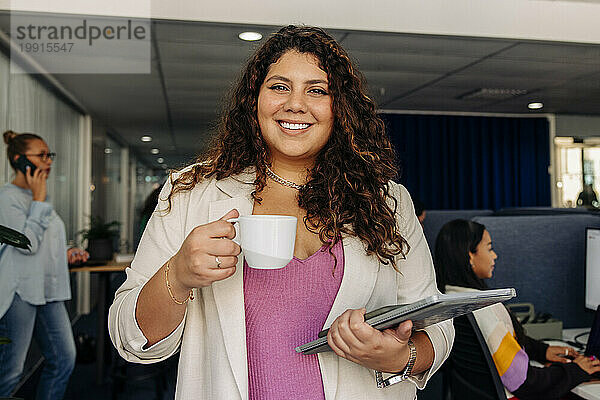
(593, 343)
(592, 268)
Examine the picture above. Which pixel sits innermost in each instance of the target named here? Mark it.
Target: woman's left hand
(561, 354)
(352, 338)
(77, 256)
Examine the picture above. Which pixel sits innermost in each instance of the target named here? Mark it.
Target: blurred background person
(587, 197)
(420, 210)
(34, 284)
(149, 206)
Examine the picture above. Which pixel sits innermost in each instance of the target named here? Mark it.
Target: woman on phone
(34, 283)
(299, 137)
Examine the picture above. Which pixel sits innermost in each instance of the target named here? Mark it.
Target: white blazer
(212, 335)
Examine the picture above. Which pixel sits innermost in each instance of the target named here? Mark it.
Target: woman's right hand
(195, 264)
(588, 364)
(37, 183)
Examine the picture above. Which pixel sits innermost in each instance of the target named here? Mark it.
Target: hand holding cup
(208, 254)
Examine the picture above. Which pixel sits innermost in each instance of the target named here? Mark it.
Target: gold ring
(218, 262)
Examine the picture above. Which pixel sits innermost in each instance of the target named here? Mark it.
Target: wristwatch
(401, 376)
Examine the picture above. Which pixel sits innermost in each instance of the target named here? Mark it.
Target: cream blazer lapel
(229, 293)
(360, 276)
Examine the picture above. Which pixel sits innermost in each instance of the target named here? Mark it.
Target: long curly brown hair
(347, 189)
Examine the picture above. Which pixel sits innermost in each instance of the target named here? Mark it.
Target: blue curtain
(467, 162)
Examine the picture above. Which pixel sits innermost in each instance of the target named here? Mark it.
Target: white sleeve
(417, 281)
(160, 241)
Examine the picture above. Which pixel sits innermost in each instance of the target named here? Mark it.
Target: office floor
(124, 381)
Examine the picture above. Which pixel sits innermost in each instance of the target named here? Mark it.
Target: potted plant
(100, 237)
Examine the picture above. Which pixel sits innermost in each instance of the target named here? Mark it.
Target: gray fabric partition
(435, 219)
(543, 257)
(542, 211)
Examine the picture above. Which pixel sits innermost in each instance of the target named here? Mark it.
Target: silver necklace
(283, 181)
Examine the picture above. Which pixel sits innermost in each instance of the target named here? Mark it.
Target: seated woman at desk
(464, 257)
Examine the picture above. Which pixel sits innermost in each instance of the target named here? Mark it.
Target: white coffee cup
(267, 241)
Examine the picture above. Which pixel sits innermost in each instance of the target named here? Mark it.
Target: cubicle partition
(515, 211)
(543, 257)
(435, 219)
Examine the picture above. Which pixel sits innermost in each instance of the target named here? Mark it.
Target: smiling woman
(294, 111)
(299, 137)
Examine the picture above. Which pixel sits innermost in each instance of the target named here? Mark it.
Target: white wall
(577, 125)
(558, 20)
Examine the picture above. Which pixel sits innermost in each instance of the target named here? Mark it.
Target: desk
(104, 272)
(569, 335)
(586, 390)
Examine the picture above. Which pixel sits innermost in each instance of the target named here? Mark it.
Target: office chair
(471, 370)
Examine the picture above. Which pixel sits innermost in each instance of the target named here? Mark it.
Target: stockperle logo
(63, 44)
(85, 31)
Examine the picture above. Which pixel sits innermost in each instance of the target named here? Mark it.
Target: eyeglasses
(43, 156)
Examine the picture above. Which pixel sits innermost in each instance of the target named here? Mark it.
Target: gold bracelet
(190, 296)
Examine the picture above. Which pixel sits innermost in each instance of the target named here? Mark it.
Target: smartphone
(23, 162)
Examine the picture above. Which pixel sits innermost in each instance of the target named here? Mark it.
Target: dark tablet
(429, 311)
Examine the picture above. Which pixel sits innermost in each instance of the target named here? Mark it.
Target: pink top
(285, 308)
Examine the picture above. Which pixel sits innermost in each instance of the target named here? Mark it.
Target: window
(579, 172)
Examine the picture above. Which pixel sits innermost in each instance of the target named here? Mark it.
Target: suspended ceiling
(194, 64)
